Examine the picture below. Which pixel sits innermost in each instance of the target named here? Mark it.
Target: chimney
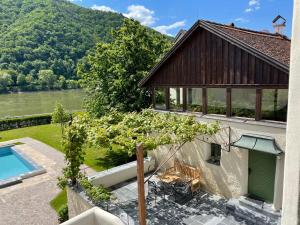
(279, 24)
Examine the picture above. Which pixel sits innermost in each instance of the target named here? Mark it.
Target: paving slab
(27, 203)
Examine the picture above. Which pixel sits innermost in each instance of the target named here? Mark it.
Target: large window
(216, 101)
(274, 104)
(160, 98)
(194, 99)
(176, 99)
(243, 102)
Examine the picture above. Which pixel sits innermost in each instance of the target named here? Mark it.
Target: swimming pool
(15, 166)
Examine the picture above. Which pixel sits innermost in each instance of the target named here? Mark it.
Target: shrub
(95, 193)
(26, 121)
(63, 213)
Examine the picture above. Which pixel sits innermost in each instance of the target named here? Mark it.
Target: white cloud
(166, 28)
(75, 0)
(141, 14)
(253, 6)
(242, 20)
(254, 2)
(102, 8)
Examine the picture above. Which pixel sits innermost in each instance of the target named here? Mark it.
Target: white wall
(230, 179)
(94, 216)
(292, 159)
(119, 174)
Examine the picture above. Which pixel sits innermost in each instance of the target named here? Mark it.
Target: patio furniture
(182, 172)
(182, 192)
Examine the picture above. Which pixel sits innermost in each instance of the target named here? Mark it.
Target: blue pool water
(11, 164)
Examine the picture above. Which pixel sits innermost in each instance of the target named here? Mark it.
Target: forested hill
(49, 35)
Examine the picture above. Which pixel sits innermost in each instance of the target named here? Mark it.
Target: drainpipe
(291, 186)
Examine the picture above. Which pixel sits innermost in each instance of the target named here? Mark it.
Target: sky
(169, 16)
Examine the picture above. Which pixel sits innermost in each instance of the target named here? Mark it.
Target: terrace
(202, 209)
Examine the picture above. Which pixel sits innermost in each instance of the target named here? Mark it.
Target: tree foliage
(111, 74)
(73, 140)
(50, 35)
(61, 116)
(121, 132)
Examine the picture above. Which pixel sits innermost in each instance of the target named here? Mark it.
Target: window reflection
(274, 104)
(216, 101)
(243, 102)
(194, 99)
(160, 98)
(176, 99)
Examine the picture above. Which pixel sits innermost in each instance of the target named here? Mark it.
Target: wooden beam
(258, 104)
(140, 182)
(167, 97)
(152, 91)
(184, 95)
(204, 100)
(228, 102)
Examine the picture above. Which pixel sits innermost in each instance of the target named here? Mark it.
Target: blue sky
(169, 16)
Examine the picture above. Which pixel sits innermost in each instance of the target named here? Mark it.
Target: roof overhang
(258, 143)
(204, 24)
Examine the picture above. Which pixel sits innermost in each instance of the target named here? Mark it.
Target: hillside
(49, 34)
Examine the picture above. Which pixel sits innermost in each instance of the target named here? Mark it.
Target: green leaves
(111, 73)
(123, 131)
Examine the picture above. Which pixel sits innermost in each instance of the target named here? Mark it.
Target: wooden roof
(271, 49)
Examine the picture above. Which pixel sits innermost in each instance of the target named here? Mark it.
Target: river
(30, 103)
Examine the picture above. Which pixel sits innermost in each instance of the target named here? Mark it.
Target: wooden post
(258, 104)
(204, 101)
(140, 182)
(184, 95)
(167, 97)
(228, 102)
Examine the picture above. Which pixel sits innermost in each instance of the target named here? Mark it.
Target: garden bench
(182, 172)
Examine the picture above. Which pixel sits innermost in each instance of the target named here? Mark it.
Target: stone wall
(77, 202)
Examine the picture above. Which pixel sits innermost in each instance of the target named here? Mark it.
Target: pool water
(11, 164)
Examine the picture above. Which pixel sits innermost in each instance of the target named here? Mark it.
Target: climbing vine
(121, 132)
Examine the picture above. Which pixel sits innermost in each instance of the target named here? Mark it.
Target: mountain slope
(50, 34)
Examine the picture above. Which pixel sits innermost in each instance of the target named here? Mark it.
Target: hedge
(26, 121)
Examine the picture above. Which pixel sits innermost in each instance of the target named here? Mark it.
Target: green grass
(59, 200)
(51, 135)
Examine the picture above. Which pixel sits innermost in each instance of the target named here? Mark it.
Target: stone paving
(203, 209)
(27, 203)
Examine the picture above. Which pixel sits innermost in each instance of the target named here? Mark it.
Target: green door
(262, 168)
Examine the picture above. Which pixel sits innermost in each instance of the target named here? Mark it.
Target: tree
(73, 140)
(21, 80)
(47, 78)
(60, 116)
(5, 81)
(111, 73)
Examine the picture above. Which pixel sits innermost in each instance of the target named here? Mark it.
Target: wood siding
(205, 59)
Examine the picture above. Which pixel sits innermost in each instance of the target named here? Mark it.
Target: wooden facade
(207, 60)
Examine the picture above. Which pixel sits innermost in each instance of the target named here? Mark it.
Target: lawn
(59, 200)
(51, 135)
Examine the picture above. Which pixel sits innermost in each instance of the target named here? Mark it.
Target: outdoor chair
(181, 171)
(182, 192)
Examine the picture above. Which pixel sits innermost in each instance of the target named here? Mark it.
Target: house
(240, 78)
